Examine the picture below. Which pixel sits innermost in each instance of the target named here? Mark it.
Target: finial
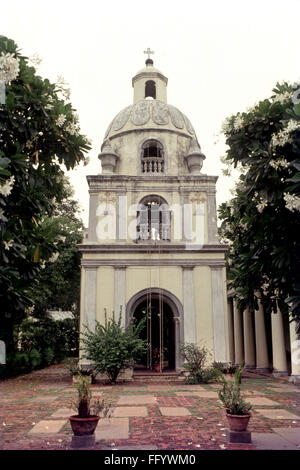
(149, 52)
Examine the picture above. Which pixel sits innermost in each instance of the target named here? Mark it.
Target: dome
(150, 114)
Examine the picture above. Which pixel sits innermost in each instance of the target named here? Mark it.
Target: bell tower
(152, 246)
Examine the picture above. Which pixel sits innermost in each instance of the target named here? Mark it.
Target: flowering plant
(261, 222)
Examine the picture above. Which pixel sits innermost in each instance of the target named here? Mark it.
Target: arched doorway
(163, 329)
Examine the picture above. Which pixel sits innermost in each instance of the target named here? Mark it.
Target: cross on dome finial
(149, 52)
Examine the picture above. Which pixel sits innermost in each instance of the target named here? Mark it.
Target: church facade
(151, 248)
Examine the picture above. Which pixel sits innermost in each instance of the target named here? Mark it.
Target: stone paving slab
(63, 413)
(159, 388)
(277, 414)
(136, 400)
(41, 399)
(112, 428)
(130, 412)
(174, 411)
(271, 441)
(137, 388)
(285, 388)
(290, 434)
(261, 401)
(206, 394)
(48, 427)
(190, 387)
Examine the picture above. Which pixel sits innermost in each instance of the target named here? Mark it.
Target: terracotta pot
(238, 422)
(84, 426)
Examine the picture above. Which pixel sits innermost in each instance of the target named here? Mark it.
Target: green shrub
(112, 348)
(195, 363)
(35, 358)
(230, 395)
(48, 356)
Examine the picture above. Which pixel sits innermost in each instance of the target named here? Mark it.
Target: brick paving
(34, 412)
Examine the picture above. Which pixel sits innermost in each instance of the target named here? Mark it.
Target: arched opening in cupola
(150, 89)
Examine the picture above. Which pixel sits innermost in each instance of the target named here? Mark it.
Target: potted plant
(237, 409)
(86, 420)
(156, 359)
(76, 371)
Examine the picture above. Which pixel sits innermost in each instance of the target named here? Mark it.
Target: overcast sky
(219, 56)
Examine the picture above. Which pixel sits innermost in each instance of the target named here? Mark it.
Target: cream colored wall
(139, 89)
(203, 307)
(105, 292)
(226, 313)
(128, 148)
(173, 198)
(82, 290)
(143, 277)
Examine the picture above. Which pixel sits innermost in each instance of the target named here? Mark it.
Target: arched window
(152, 160)
(150, 89)
(153, 219)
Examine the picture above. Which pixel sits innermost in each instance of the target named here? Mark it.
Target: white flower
(238, 122)
(261, 205)
(227, 126)
(226, 171)
(9, 67)
(6, 188)
(292, 202)
(61, 120)
(35, 59)
(282, 162)
(283, 137)
(54, 257)
(282, 97)
(62, 238)
(72, 128)
(60, 82)
(8, 244)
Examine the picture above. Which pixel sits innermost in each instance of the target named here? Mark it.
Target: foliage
(230, 395)
(39, 133)
(72, 365)
(228, 368)
(261, 223)
(58, 284)
(61, 336)
(83, 403)
(111, 347)
(196, 358)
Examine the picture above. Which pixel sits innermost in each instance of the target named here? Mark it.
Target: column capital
(187, 267)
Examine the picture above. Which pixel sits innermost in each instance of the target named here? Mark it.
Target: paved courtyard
(34, 411)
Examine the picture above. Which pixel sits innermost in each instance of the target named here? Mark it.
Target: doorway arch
(172, 328)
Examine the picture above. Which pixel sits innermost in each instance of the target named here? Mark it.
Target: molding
(118, 264)
(153, 248)
(148, 129)
(180, 179)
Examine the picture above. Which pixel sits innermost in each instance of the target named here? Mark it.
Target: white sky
(220, 57)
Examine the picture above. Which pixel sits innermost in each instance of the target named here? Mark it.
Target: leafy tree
(261, 223)
(58, 284)
(39, 132)
(111, 347)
